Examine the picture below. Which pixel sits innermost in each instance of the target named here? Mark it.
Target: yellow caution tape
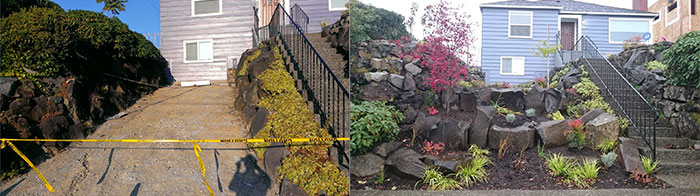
(46, 183)
(181, 141)
(197, 149)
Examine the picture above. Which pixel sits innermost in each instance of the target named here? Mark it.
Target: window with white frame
(206, 7)
(199, 51)
(621, 29)
(672, 14)
(519, 24)
(334, 5)
(512, 65)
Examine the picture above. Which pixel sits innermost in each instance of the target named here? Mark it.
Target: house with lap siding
(201, 39)
(511, 30)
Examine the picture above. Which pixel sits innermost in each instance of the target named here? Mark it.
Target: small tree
(544, 51)
(113, 6)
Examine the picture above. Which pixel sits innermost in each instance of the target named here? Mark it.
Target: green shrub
(11, 6)
(530, 112)
(52, 42)
(655, 65)
(474, 171)
(608, 159)
(371, 122)
(683, 60)
(607, 146)
(559, 165)
(649, 166)
(369, 22)
(437, 181)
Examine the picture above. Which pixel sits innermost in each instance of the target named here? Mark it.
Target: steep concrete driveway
(157, 168)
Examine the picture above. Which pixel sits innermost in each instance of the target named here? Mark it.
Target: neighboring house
(511, 29)
(200, 39)
(676, 17)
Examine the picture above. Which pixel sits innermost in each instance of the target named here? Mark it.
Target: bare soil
(534, 176)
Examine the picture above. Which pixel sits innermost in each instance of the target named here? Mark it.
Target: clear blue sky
(142, 16)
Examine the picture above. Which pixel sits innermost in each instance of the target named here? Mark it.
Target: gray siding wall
(230, 32)
(596, 27)
(318, 12)
(496, 43)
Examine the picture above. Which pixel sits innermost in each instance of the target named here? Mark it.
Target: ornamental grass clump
(649, 166)
(437, 181)
(576, 136)
(475, 170)
(558, 165)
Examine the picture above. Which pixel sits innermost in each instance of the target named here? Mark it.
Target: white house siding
(230, 32)
(495, 43)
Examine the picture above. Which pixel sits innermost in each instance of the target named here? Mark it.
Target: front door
(568, 34)
(267, 9)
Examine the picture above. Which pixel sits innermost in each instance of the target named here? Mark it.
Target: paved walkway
(157, 168)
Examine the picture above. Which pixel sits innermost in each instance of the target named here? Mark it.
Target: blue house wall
(596, 27)
(496, 43)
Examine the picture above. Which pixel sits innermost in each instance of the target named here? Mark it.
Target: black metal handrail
(330, 98)
(625, 100)
(300, 17)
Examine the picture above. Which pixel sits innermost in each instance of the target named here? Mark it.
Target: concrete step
(661, 131)
(678, 167)
(671, 154)
(661, 142)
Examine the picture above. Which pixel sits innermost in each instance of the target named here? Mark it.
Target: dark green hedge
(51, 42)
(369, 22)
(683, 61)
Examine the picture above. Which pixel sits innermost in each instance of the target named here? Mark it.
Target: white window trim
(678, 14)
(532, 17)
(660, 18)
(335, 9)
(184, 51)
(512, 74)
(651, 28)
(210, 14)
(579, 24)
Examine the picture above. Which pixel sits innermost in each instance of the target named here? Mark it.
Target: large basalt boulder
(467, 101)
(524, 135)
(7, 86)
(396, 80)
(288, 188)
(273, 159)
(382, 91)
(591, 114)
(535, 99)
(406, 163)
(452, 133)
(366, 165)
(408, 83)
(385, 149)
(449, 98)
(452, 163)
(410, 116)
(376, 76)
(479, 129)
(425, 124)
(603, 128)
(553, 100)
(552, 132)
(413, 69)
(259, 121)
(484, 96)
(628, 154)
(511, 98)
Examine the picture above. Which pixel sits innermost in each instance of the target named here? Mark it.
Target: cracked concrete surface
(157, 168)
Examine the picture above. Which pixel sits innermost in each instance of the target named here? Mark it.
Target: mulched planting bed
(535, 176)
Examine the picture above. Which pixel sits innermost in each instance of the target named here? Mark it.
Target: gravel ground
(157, 168)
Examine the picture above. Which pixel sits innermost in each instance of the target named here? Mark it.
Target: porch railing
(300, 17)
(623, 98)
(330, 98)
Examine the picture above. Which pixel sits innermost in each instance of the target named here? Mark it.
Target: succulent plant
(530, 112)
(510, 118)
(608, 159)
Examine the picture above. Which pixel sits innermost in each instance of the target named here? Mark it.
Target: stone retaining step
(671, 154)
(661, 142)
(660, 132)
(678, 167)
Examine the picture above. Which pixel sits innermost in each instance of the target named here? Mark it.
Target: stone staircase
(678, 158)
(334, 60)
